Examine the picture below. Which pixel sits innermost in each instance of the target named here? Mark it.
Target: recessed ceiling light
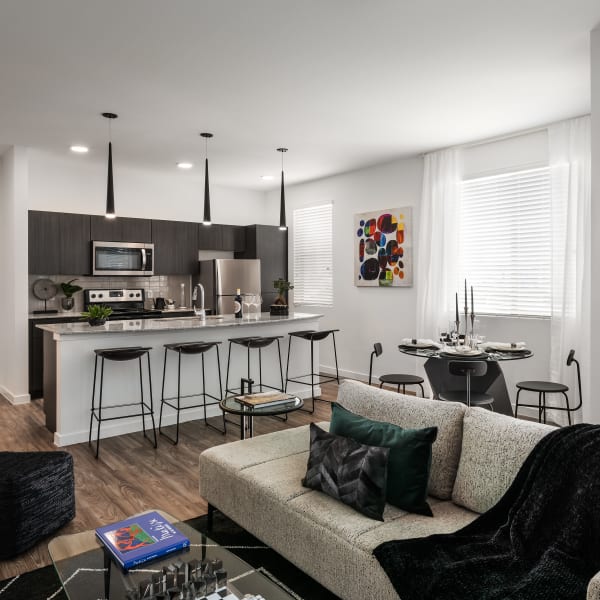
(185, 165)
(79, 149)
(266, 177)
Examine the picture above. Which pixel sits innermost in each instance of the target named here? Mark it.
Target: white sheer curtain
(437, 250)
(570, 161)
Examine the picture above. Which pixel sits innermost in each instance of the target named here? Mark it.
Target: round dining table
(440, 379)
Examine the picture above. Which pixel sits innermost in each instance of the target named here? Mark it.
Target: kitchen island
(69, 366)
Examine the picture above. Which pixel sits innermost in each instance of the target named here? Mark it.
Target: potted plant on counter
(68, 290)
(96, 314)
(280, 307)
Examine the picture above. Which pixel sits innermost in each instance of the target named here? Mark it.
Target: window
(505, 242)
(313, 255)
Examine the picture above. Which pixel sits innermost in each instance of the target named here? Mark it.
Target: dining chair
(397, 379)
(550, 387)
(468, 369)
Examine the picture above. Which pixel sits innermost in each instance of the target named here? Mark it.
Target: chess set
(192, 580)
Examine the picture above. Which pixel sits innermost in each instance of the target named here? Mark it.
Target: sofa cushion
(351, 472)
(494, 447)
(414, 413)
(409, 460)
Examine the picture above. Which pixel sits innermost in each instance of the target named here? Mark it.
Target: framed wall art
(383, 248)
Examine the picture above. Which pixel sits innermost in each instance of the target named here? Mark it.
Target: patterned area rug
(43, 584)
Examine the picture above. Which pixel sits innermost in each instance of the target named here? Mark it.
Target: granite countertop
(171, 324)
(76, 314)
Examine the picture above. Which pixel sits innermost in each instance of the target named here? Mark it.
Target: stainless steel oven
(122, 258)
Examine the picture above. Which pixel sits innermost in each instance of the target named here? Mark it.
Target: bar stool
(121, 355)
(191, 348)
(255, 343)
(398, 379)
(312, 336)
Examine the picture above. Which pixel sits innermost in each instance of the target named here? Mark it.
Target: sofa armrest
(593, 590)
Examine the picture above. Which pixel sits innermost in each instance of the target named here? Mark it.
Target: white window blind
(505, 242)
(313, 255)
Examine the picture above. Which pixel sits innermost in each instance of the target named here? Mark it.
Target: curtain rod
(505, 136)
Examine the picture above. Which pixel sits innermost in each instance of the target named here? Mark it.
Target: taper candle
(472, 304)
(466, 305)
(456, 299)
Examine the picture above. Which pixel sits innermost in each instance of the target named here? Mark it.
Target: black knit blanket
(540, 541)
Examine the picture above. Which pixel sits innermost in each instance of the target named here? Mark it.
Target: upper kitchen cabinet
(175, 247)
(59, 243)
(121, 229)
(221, 237)
(44, 247)
(269, 244)
(75, 253)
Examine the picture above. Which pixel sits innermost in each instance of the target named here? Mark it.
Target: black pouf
(37, 496)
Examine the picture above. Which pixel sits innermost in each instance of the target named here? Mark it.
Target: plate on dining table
(420, 345)
(454, 352)
(505, 347)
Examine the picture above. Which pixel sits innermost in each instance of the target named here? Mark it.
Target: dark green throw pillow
(409, 460)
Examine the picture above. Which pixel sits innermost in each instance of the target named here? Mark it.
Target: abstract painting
(383, 248)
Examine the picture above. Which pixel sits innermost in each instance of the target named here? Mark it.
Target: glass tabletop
(446, 353)
(234, 406)
(79, 563)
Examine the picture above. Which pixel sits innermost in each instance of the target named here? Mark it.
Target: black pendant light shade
(282, 221)
(110, 192)
(206, 220)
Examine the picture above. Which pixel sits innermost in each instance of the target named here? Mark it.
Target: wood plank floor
(130, 476)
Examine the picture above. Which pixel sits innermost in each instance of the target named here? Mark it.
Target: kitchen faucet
(200, 312)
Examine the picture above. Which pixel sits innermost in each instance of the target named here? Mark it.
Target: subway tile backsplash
(165, 286)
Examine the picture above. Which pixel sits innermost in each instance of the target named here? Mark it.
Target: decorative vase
(96, 322)
(68, 302)
(279, 310)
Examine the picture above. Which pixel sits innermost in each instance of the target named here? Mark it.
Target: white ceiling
(341, 83)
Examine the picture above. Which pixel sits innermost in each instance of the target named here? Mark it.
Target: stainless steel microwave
(122, 258)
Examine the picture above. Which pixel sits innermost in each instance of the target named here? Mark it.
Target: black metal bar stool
(397, 379)
(121, 355)
(191, 348)
(312, 336)
(255, 343)
(550, 387)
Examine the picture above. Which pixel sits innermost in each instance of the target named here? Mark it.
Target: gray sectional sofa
(257, 483)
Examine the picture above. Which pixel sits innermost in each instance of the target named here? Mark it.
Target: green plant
(282, 286)
(96, 312)
(69, 289)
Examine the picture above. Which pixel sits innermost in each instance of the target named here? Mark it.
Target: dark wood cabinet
(231, 238)
(36, 352)
(59, 243)
(75, 253)
(44, 250)
(175, 247)
(270, 245)
(121, 229)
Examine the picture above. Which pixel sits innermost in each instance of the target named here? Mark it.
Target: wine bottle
(237, 304)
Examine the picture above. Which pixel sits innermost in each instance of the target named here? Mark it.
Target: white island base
(69, 367)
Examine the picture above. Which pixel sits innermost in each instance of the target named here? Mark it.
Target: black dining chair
(468, 369)
(397, 379)
(550, 387)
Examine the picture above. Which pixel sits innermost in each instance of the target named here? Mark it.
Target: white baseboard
(14, 398)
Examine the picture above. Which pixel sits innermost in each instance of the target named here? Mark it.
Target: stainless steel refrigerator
(222, 276)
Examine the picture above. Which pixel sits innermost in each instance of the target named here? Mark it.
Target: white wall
(14, 383)
(591, 407)
(367, 315)
(364, 315)
(70, 183)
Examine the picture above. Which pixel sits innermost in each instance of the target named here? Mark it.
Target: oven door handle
(143, 259)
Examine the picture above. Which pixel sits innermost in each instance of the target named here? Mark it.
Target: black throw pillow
(348, 471)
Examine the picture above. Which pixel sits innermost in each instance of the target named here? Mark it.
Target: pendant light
(282, 223)
(206, 220)
(110, 193)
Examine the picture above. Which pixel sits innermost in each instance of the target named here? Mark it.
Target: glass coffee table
(233, 406)
(79, 560)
